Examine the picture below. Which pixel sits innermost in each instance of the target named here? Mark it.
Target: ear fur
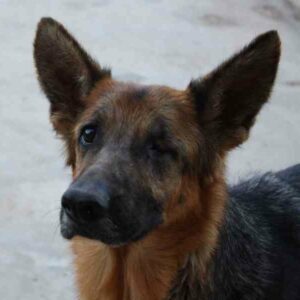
(65, 71)
(66, 74)
(228, 99)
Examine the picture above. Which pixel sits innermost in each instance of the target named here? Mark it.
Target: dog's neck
(148, 268)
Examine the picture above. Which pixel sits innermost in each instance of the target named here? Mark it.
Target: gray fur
(258, 254)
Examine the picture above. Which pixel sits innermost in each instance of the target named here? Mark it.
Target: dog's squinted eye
(156, 150)
(87, 135)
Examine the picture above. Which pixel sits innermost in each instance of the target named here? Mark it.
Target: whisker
(55, 231)
(50, 211)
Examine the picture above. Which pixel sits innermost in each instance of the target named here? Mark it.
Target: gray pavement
(158, 41)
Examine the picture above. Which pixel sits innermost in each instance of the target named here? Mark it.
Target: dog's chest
(188, 283)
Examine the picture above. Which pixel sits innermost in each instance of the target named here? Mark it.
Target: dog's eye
(88, 135)
(154, 149)
(157, 150)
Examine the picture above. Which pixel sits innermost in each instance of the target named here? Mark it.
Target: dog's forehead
(134, 103)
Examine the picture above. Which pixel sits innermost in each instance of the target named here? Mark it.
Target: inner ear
(65, 71)
(228, 99)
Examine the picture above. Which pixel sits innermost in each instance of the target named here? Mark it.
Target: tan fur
(146, 269)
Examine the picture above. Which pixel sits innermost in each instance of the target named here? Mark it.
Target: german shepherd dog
(148, 212)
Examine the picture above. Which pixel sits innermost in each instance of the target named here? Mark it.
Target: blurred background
(147, 41)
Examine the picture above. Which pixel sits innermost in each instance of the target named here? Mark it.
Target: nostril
(89, 211)
(67, 207)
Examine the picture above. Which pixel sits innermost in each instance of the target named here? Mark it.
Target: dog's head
(134, 149)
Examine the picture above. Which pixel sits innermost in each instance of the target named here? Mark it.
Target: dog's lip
(66, 228)
(67, 232)
(69, 229)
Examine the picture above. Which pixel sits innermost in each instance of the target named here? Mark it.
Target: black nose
(84, 206)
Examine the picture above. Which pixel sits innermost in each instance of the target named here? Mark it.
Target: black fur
(258, 255)
(117, 216)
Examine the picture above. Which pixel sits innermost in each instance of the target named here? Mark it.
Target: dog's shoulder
(291, 176)
(270, 200)
(278, 192)
(260, 239)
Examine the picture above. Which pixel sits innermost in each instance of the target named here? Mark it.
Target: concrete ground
(158, 41)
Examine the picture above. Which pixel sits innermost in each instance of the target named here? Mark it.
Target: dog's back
(259, 255)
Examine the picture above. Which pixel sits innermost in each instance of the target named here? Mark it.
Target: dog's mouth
(105, 231)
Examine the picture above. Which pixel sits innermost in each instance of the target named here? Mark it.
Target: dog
(148, 212)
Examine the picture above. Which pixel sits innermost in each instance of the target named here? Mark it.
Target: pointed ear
(229, 98)
(65, 71)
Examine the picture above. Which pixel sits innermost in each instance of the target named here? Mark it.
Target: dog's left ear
(229, 98)
(66, 72)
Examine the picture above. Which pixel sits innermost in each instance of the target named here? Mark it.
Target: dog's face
(135, 149)
(130, 159)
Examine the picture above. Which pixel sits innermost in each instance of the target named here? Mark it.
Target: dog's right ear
(66, 73)
(228, 99)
